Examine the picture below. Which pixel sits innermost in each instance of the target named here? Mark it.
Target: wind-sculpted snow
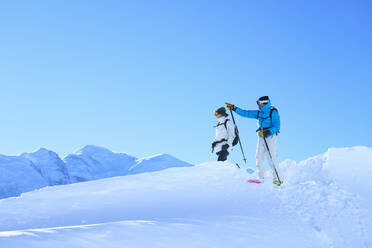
(331, 192)
(208, 205)
(41, 168)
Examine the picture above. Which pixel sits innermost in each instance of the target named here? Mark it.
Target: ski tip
(254, 181)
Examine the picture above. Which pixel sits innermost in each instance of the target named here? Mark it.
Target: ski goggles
(260, 102)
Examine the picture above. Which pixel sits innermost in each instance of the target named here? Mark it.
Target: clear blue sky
(145, 77)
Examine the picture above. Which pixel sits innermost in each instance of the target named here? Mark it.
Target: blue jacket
(263, 117)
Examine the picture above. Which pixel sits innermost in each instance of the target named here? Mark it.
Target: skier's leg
(219, 156)
(271, 142)
(260, 158)
(222, 156)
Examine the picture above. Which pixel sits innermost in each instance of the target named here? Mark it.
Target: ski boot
(277, 182)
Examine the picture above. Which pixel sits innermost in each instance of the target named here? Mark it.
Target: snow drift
(208, 205)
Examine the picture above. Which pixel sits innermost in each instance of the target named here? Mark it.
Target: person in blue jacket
(268, 128)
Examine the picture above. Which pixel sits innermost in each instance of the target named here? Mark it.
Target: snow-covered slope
(348, 168)
(330, 192)
(41, 168)
(208, 205)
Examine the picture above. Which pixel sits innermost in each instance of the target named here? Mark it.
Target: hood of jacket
(265, 110)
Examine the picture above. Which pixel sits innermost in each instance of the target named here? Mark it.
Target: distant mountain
(156, 163)
(49, 165)
(42, 168)
(18, 175)
(93, 162)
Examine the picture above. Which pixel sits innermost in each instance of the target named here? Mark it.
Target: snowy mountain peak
(94, 162)
(42, 153)
(156, 162)
(42, 150)
(49, 165)
(92, 149)
(156, 157)
(44, 167)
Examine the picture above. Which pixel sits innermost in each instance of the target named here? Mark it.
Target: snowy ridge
(49, 165)
(42, 168)
(208, 205)
(92, 162)
(156, 163)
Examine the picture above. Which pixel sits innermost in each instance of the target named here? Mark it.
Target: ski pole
(240, 143)
(268, 150)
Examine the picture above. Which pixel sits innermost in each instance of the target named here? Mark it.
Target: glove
(214, 144)
(264, 134)
(230, 106)
(225, 147)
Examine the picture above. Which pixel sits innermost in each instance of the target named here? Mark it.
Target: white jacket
(222, 132)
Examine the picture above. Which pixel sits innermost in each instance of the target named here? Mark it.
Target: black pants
(222, 155)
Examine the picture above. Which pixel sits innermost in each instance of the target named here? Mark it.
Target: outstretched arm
(247, 113)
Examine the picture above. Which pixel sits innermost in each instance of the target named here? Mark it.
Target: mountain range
(30, 171)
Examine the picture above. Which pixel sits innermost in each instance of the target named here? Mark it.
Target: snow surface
(208, 205)
(43, 167)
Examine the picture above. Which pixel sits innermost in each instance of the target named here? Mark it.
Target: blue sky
(145, 77)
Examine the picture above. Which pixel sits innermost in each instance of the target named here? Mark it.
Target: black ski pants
(222, 155)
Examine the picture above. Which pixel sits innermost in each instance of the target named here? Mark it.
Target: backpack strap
(225, 124)
(220, 141)
(271, 114)
(272, 110)
(219, 124)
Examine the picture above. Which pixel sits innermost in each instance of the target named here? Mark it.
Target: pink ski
(254, 181)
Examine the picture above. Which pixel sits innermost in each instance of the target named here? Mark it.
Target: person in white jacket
(225, 135)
